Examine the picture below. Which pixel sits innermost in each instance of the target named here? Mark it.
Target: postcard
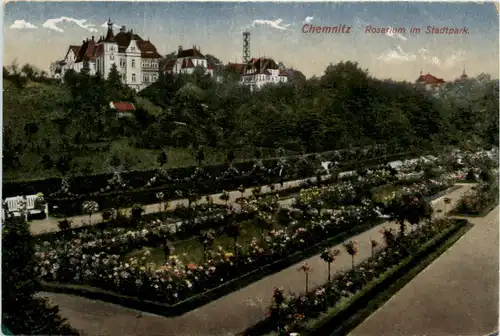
(250, 168)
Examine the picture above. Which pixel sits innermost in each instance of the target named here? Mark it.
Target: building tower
(246, 47)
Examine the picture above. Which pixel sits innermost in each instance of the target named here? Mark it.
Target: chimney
(92, 38)
(131, 31)
(180, 48)
(123, 29)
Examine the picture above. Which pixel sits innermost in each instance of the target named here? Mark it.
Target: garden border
(209, 295)
(360, 307)
(346, 313)
(109, 198)
(484, 211)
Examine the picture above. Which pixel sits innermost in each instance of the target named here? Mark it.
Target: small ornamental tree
(373, 245)
(160, 196)
(328, 256)
(162, 158)
(233, 230)
(200, 155)
(207, 239)
(306, 269)
(351, 248)
(90, 208)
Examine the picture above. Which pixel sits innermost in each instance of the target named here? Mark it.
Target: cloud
(273, 24)
(454, 59)
(393, 34)
(308, 19)
(105, 25)
(424, 54)
(52, 24)
(397, 55)
(21, 24)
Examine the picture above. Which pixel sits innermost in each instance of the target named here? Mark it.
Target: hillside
(52, 128)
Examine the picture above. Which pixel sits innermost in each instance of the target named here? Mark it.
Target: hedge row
(73, 206)
(137, 179)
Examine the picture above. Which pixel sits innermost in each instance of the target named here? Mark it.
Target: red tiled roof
(210, 67)
(195, 53)
(430, 79)
(122, 39)
(260, 65)
(123, 106)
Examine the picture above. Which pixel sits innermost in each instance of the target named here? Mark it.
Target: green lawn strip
(350, 312)
(210, 295)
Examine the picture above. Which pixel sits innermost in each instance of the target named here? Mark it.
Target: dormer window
(132, 49)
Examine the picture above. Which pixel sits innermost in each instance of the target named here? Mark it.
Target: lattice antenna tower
(246, 47)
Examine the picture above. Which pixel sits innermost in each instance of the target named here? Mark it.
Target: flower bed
(95, 258)
(201, 180)
(478, 201)
(326, 307)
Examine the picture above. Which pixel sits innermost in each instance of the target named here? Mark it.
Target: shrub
(64, 224)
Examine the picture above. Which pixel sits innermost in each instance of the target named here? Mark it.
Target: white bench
(14, 208)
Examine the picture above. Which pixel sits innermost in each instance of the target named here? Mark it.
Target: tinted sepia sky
(40, 33)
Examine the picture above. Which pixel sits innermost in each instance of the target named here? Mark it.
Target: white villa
(187, 61)
(261, 71)
(136, 59)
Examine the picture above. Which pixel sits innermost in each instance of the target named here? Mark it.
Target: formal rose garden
(291, 312)
(168, 262)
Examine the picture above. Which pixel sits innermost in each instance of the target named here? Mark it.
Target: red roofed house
(261, 71)
(123, 109)
(429, 81)
(187, 61)
(137, 60)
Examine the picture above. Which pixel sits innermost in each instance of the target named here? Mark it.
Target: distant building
(123, 109)
(137, 60)
(261, 71)
(429, 81)
(187, 61)
(464, 76)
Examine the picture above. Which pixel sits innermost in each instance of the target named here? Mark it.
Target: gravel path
(226, 316)
(51, 224)
(456, 295)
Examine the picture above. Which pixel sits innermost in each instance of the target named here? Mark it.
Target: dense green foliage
(65, 128)
(23, 313)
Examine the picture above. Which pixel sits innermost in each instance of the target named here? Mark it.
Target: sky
(41, 32)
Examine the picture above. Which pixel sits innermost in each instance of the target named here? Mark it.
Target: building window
(122, 62)
(112, 58)
(154, 78)
(133, 77)
(145, 79)
(133, 63)
(124, 77)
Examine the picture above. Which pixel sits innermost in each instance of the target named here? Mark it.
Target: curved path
(228, 315)
(456, 295)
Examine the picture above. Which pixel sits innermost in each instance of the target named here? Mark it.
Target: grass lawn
(191, 250)
(382, 192)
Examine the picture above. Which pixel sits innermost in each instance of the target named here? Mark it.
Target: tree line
(346, 106)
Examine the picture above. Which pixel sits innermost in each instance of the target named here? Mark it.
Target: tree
(328, 256)
(23, 313)
(306, 269)
(233, 230)
(162, 158)
(351, 248)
